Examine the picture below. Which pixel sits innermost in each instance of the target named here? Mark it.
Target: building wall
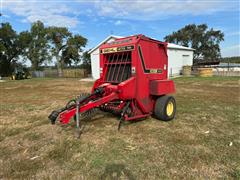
(177, 58)
(95, 64)
(95, 61)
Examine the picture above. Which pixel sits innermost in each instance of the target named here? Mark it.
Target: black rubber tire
(160, 109)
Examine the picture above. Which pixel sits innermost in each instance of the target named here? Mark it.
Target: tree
(38, 45)
(58, 37)
(86, 61)
(70, 46)
(234, 59)
(205, 41)
(72, 52)
(37, 50)
(11, 47)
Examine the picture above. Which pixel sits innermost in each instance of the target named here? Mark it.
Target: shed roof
(103, 41)
(170, 45)
(175, 46)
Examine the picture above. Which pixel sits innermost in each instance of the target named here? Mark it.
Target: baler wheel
(165, 108)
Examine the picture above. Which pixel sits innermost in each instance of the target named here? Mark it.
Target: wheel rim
(170, 107)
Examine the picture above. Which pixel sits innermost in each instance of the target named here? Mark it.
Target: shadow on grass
(117, 171)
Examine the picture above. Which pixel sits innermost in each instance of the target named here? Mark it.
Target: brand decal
(117, 49)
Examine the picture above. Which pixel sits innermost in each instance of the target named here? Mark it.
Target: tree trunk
(35, 65)
(59, 66)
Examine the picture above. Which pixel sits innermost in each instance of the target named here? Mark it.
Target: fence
(37, 74)
(67, 73)
(220, 70)
(226, 71)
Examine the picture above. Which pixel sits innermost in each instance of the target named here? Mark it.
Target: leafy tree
(86, 61)
(205, 41)
(37, 50)
(235, 59)
(73, 49)
(58, 37)
(11, 47)
(70, 46)
(39, 45)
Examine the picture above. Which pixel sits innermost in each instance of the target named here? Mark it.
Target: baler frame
(133, 81)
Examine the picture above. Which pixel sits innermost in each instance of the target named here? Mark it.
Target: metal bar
(105, 70)
(109, 67)
(78, 117)
(119, 67)
(106, 64)
(124, 68)
(129, 71)
(112, 67)
(119, 63)
(113, 74)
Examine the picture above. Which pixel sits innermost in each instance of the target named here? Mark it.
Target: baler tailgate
(118, 67)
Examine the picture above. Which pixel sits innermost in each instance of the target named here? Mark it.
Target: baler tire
(160, 109)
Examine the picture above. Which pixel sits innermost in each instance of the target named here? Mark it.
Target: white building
(178, 56)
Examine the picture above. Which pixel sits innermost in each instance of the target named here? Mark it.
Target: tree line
(205, 41)
(235, 59)
(40, 44)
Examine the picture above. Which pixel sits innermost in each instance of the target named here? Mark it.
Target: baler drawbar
(133, 83)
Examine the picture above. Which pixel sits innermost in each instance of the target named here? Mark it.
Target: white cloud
(6, 16)
(119, 22)
(51, 13)
(153, 10)
(231, 51)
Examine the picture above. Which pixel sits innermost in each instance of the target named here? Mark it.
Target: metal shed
(178, 56)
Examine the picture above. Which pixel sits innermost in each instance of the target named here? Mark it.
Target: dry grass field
(203, 142)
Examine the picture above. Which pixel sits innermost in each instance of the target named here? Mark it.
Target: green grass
(195, 145)
(210, 79)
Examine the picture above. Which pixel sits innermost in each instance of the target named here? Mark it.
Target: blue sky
(95, 20)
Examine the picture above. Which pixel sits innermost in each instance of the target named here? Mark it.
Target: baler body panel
(133, 74)
(161, 87)
(133, 63)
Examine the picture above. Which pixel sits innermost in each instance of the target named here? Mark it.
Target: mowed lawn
(202, 142)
